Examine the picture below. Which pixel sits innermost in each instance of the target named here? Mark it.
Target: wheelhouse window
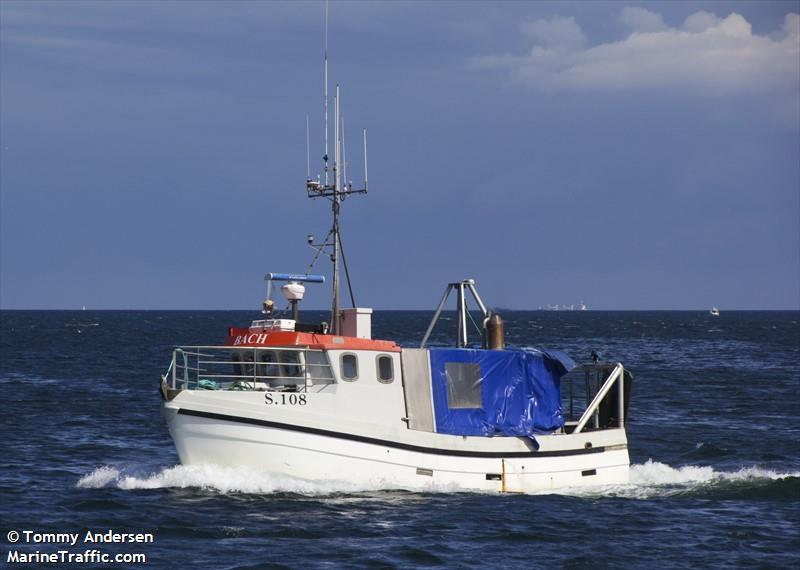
(463, 385)
(243, 363)
(349, 367)
(319, 369)
(385, 369)
(278, 368)
(267, 370)
(290, 363)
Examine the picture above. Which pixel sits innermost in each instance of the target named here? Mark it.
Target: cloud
(641, 20)
(699, 22)
(707, 55)
(557, 32)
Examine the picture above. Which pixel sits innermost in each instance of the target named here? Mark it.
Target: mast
(308, 151)
(333, 190)
(336, 315)
(325, 96)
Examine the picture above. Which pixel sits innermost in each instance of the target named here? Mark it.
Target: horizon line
(500, 311)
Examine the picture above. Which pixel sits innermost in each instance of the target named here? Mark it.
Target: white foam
(755, 474)
(649, 479)
(223, 479)
(100, 477)
(653, 479)
(227, 480)
(654, 473)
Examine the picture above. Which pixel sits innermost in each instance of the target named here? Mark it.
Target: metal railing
(596, 403)
(248, 368)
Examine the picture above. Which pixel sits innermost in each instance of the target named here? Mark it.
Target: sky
(632, 155)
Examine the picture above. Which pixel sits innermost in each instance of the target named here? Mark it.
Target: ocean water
(714, 433)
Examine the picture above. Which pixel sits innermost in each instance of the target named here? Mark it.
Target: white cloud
(556, 32)
(700, 21)
(641, 20)
(707, 55)
(791, 25)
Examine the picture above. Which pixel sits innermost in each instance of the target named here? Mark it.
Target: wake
(647, 480)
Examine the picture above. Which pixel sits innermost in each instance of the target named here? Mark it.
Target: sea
(714, 430)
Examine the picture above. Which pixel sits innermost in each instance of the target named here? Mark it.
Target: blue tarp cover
(519, 392)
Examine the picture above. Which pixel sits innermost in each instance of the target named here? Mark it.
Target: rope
(477, 328)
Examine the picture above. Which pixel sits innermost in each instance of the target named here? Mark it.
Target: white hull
(404, 459)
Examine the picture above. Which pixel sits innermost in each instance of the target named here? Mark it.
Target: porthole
(349, 366)
(385, 366)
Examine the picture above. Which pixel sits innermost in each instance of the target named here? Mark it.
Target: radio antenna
(337, 152)
(331, 186)
(308, 152)
(344, 157)
(325, 80)
(365, 160)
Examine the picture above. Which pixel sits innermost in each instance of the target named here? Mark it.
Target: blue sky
(636, 155)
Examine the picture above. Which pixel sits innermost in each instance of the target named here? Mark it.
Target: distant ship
(572, 307)
(714, 312)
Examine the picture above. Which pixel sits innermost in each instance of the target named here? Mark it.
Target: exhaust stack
(495, 332)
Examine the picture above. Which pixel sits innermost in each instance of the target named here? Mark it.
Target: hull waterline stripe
(388, 443)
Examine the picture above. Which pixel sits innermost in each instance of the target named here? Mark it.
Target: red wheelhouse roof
(245, 337)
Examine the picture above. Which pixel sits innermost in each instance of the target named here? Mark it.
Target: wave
(647, 480)
(653, 479)
(655, 473)
(228, 480)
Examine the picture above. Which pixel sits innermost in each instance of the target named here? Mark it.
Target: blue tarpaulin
(497, 392)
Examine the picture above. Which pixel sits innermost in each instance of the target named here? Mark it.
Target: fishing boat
(714, 312)
(327, 401)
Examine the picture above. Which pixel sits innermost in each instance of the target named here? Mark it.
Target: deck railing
(600, 398)
(248, 368)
